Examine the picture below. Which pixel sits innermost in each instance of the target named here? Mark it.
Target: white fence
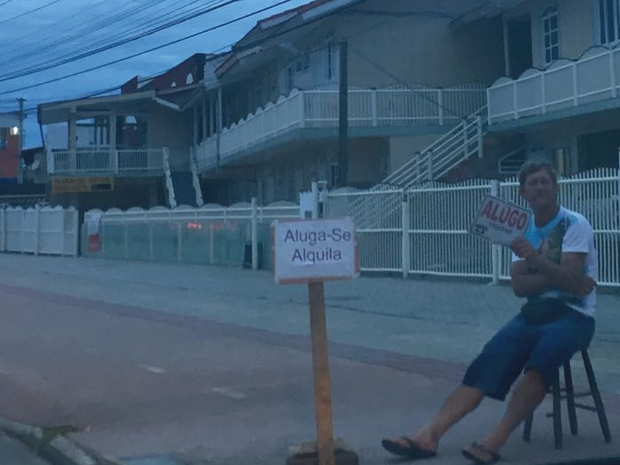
(211, 234)
(410, 106)
(49, 231)
(424, 230)
(106, 161)
(565, 84)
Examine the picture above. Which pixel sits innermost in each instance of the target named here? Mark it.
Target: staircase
(182, 187)
(463, 142)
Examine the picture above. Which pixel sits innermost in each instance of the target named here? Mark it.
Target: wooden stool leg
(596, 395)
(527, 428)
(570, 399)
(557, 413)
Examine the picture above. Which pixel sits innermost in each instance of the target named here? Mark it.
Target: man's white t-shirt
(569, 231)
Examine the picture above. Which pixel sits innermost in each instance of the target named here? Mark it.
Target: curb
(58, 451)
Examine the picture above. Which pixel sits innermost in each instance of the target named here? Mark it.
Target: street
(164, 364)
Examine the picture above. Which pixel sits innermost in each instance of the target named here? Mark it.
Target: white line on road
(151, 369)
(230, 393)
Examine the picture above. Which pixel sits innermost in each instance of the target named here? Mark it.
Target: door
(519, 45)
(599, 150)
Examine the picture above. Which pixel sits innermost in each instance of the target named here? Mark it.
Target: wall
(402, 149)
(422, 49)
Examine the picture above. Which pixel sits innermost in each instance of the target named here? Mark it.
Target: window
(607, 21)
(551, 34)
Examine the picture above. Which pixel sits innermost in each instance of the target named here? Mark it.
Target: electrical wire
(133, 27)
(144, 52)
(218, 4)
(82, 29)
(30, 11)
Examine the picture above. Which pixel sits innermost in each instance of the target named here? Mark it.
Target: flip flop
(495, 457)
(411, 450)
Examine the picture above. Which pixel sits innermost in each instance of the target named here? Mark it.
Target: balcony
(104, 161)
(368, 108)
(565, 85)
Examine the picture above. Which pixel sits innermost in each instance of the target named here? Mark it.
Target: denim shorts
(518, 347)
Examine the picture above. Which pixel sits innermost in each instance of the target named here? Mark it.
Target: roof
(176, 99)
(253, 42)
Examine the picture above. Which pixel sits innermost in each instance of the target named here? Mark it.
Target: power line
(82, 27)
(22, 73)
(29, 12)
(115, 20)
(4, 3)
(159, 47)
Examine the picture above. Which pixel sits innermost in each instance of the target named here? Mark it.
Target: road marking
(230, 393)
(151, 369)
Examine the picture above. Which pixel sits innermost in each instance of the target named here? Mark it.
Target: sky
(34, 33)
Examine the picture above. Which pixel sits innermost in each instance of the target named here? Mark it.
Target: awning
(122, 104)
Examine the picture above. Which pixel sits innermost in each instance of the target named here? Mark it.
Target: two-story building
(129, 149)
(413, 77)
(562, 82)
(9, 147)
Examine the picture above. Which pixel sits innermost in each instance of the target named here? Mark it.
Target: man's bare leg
(463, 400)
(528, 394)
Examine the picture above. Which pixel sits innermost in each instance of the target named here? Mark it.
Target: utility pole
(343, 155)
(20, 138)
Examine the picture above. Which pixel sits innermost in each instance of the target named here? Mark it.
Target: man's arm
(567, 276)
(525, 283)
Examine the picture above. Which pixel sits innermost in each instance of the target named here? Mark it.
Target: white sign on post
(317, 250)
(312, 252)
(500, 221)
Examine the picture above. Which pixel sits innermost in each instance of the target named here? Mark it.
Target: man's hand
(587, 286)
(523, 249)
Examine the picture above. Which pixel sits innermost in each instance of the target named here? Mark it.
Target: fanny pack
(543, 310)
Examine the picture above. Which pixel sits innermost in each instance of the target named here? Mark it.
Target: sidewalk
(436, 319)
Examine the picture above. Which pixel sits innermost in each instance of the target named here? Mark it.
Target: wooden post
(322, 383)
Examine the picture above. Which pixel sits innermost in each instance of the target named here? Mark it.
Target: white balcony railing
(104, 161)
(411, 106)
(594, 77)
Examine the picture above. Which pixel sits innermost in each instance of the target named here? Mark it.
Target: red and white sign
(314, 250)
(500, 221)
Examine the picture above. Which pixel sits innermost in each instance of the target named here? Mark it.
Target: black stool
(570, 397)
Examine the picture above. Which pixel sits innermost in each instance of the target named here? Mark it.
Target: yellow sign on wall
(90, 184)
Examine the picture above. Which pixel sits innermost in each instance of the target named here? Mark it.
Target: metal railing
(428, 232)
(400, 106)
(564, 84)
(100, 161)
(462, 142)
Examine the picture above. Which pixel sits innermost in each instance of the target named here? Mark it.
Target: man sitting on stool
(555, 267)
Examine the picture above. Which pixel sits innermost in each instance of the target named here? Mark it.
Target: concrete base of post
(306, 454)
